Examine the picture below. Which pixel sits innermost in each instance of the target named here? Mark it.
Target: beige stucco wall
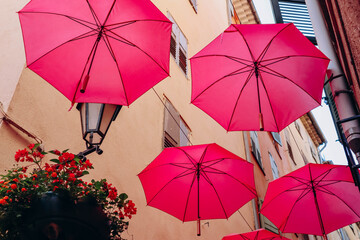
(135, 138)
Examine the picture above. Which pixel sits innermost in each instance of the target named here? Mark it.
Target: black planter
(56, 217)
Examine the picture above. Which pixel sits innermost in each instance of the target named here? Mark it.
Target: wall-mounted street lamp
(96, 119)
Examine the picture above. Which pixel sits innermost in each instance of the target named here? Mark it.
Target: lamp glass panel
(109, 110)
(93, 114)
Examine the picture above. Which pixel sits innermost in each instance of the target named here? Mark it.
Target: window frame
(181, 46)
(174, 137)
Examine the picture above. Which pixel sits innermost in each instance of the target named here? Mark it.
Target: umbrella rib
(96, 19)
(251, 54)
(108, 15)
(118, 39)
(235, 59)
(252, 190)
(282, 76)
(188, 196)
(82, 36)
(77, 20)
(327, 191)
(238, 98)
(217, 194)
(268, 97)
(262, 55)
(192, 161)
(277, 59)
(108, 45)
(218, 80)
(287, 190)
(161, 165)
(302, 195)
(183, 174)
(132, 21)
(203, 155)
(147, 54)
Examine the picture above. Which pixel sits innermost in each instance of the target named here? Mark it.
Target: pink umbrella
(315, 199)
(198, 182)
(260, 234)
(108, 51)
(258, 77)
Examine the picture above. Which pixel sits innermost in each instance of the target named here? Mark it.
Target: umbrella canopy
(258, 77)
(315, 199)
(260, 234)
(198, 182)
(108, 51)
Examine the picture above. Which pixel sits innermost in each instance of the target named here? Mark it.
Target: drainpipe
(342, 94)
(253, 202)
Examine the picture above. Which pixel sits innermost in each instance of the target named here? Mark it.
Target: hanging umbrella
(315, 199)
(108, 51)
(198, 182)
(258, 77)
(260, 234)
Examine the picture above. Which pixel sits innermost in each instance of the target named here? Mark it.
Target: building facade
(32, 110)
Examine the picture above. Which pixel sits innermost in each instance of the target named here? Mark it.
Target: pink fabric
(131, 57)
(290, 202)
(291, 76)
(260, 234)
(226, 182)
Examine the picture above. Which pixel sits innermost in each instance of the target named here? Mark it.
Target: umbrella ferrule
(100, 33)
(256, 69)
(198, 170)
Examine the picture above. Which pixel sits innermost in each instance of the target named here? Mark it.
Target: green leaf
(65, 150)
(55, 160)
(85, 173)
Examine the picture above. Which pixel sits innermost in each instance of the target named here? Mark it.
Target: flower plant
(32, 176)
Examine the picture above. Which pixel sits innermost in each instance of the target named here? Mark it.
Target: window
(255, 149)
(194, 4)
(178, 46)
(276, 137)
(274, 167)
(233, 17)
(297, 126)
(295, 11)
(176, 132)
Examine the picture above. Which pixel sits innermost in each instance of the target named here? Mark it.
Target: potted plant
(47, 199)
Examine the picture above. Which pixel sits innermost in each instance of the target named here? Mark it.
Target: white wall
(12, 55)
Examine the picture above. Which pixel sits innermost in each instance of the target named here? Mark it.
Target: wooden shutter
(171, 126)
(173, 45)
(183, 52)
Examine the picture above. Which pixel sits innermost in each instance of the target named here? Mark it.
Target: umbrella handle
(325, 237)
(261, 122)
(85, 83)
(198, 227)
